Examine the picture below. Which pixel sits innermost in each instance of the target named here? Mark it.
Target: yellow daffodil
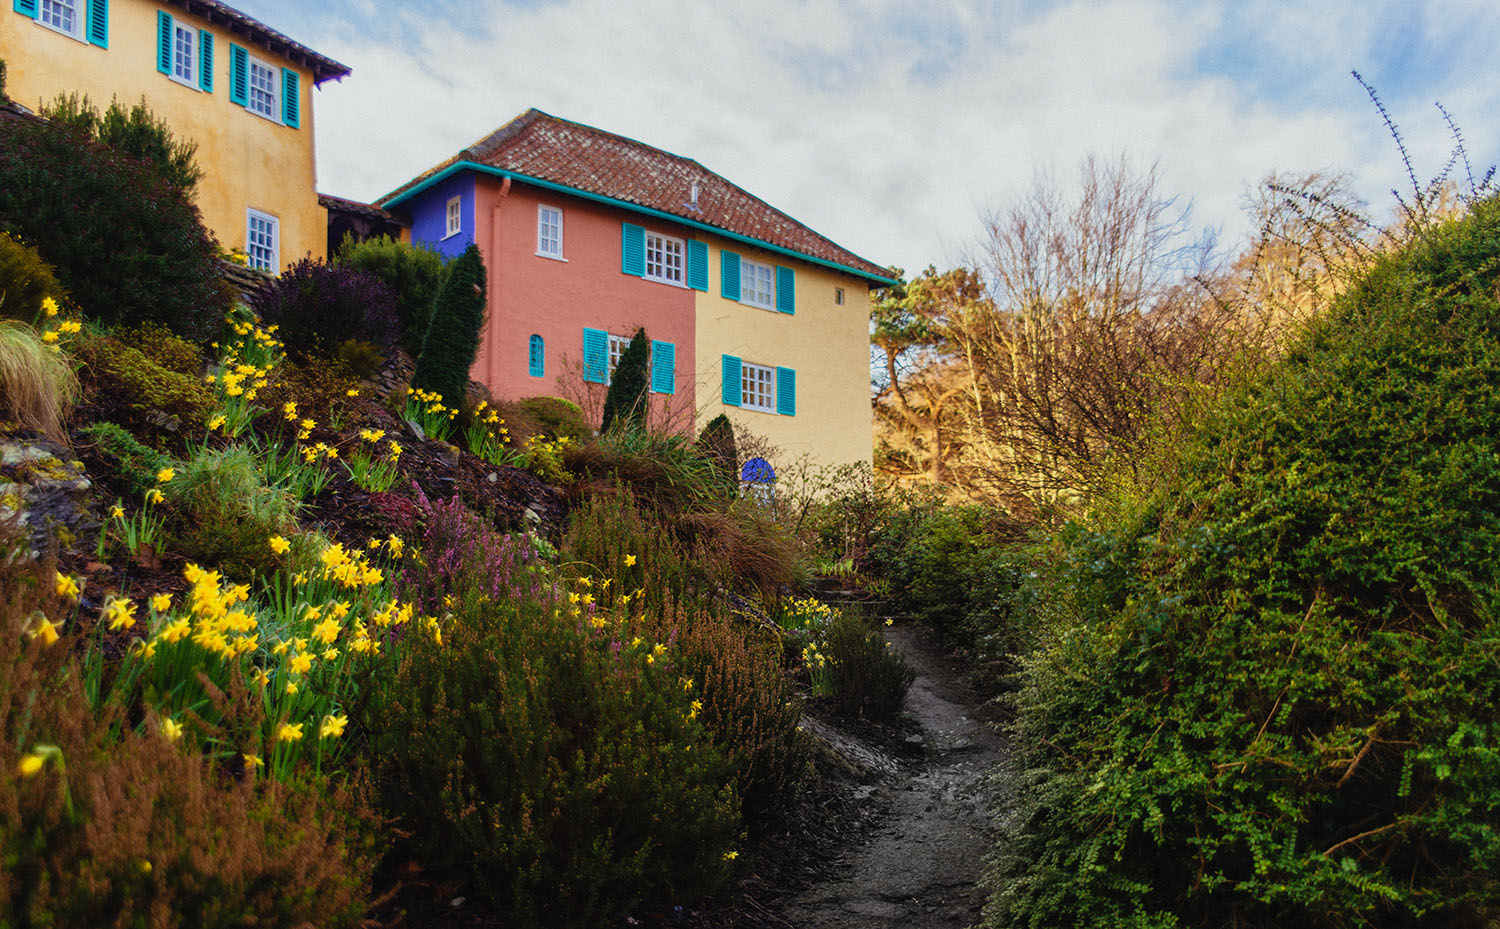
(289, 732)
(117, 512)
(629, 560)
(351, 392)
(49, 336)
(165, 474)
(395, 546)
(71, 327)
(172, 729)
(216, 423)
(291, 687)
(333, 726)
(278, 544)
(253, 761)
(66, 587)
(31, 764)
(46, 632)
(49, 306)
(120, 613)
(161, 602)
(156, 496)
(301, 663)
(331, 654)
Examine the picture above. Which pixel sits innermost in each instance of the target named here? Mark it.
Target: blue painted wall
(429, 215)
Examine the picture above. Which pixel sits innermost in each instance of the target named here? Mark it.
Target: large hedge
(1272, 692)
(413, 272)
(127, 245)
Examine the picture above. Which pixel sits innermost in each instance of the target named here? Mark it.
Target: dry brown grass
(37, 384)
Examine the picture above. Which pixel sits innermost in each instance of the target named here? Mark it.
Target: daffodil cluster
(54, 329)
(426, 409)
(246, 363)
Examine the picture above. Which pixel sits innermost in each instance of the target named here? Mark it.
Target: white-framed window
(263, 241)
(617, 346)
(757, 284)
(757, 387)
(454, 221)
(549, 231)
(264, 94)
(184, 54)
(665, 259)
(62, 15)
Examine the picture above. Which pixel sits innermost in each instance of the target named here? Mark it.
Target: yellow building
(239, 89)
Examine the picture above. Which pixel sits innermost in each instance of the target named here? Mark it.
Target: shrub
(868, 678)
(558, 767)
(141, 393)
(625, 403)
(137, 465)
(25, 280)
(37, 385)
(556, 418)
(127, 246)
(163, 348)
(318, 307)
(716, 444)
(665, 471)
(223, 512)
(121, 829)
(135, 132)
(414, 273)
(452, 338)
(1270, 696)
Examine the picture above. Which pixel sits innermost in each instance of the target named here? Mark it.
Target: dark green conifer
(716, 443)
(453, 334)
(626, 402)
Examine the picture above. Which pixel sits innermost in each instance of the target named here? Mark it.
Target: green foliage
(555, 417)
(25, 280)
(37, 384)
(223, 512)
(317, 307)
(626, 402)
(716, 443)
(414, 273)
(136, 464)
(135, 132)
(662, 469)
(140, 392)
(127, 245)
(1269, 697)
(162, 347)
(868, 678)
(452, 338)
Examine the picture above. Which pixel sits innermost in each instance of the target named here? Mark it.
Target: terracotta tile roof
(258, 32)
(343, 205)
(591, 160)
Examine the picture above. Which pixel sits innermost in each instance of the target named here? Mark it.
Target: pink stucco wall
(530, 294)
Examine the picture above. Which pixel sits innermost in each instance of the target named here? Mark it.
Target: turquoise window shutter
(206, 60)
(786, 391)
(163, 42)
(632, 250)
(239, 75)
(537, 357)
(26, 8)
(729, 274)
(697, 269)
(595, 355)
(663, 367)
(98, 22)
(731, 380)
(291, 97)
(786, 290)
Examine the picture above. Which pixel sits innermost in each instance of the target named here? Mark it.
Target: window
(664, 259)
(263, 241)
(757, 387)
(756, 285)
(62, 15)
(838, 296)
(455, 220)
(549, 232)
(536, 357)
(262, 90)
(182, 53)
(617, 346)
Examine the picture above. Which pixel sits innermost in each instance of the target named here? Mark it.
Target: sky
(893, 126)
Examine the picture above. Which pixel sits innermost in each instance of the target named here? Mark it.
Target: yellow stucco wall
(828, 345)
(248, 161)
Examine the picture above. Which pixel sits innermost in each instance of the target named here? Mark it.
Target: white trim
(453, 217)
(193, 53)
(670, 268)
(757, 387)
(748, 279)
(275, 91)
(542, 238)
(80, 30)
(251, 250)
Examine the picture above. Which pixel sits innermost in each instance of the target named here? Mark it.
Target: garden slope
(1269, 691)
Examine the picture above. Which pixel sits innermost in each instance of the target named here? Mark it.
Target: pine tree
(453, 334)
(626, 401)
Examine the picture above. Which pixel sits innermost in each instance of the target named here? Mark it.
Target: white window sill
(553, 257)
(451, 235)
(758, 409)
(274, 120)
(662, 280)
(185, 82)
(75, 36)
(770, 307)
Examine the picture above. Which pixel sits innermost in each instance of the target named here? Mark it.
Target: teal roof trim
(455, 168)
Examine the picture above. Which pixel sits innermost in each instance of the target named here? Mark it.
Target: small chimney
(693, 203)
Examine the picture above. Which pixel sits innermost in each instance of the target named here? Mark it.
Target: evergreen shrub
(869, 679)
(127, 245)
(627, 402)
(25, 280)
(414, 273)
(319, 306)
(452, 339)
(1269, 692)
(556, 417)
(135, 132)
(141, 394)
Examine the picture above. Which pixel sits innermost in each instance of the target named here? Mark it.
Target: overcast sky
(890, 125)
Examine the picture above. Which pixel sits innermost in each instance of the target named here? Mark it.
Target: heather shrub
(414, 273)
(867, 678)
(134, 464)
(25, 280)
(539, 754)
(452, 338)
(1268, 694)
(626, 401)
(127, 246)
(37, 384)
(318, 307)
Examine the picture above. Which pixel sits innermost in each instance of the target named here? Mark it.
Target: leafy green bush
(556, 418)
(141, 393)
(626, 401)
(1270, 698)
(452, 338)
(223, 512)
(869, 679)
(558, 766)
(135, 132)
(414, 273)
(126, 245)
(318, 307)
(135, 463)
(25, 280)
(162, 347)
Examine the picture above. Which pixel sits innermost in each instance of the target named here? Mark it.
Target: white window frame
(757, 387)
(274, 92)
(76, 7)
(545, 234)
(666, 259)
(453, 217)
(184, 38)
(251, 216)
(753, 273)
(617, 346)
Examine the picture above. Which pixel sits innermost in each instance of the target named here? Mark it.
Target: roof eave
(403, 196)
(322, 67)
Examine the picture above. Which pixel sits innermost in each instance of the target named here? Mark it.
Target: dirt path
(918, 867)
